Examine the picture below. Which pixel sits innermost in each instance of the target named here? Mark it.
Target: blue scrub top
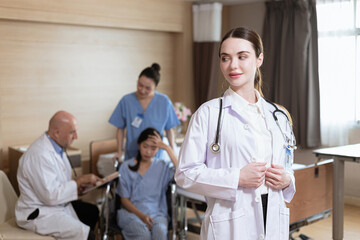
(160, 114)
(148, 192)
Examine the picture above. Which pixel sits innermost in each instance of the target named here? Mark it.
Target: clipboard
(102, 182)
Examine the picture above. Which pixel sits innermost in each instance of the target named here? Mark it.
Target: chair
(100, 147)
(8, 227)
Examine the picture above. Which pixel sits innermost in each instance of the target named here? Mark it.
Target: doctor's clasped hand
(276, 177)
(253, 175)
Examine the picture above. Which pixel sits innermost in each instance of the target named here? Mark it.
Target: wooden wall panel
(84, 70)
(184, 65)
(159, 15)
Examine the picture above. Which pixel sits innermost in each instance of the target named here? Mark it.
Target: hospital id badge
(137, 120)
(288, 160)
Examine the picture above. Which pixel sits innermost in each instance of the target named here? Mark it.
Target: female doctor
(238, 151)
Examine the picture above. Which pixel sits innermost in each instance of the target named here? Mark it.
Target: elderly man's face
(67, 133)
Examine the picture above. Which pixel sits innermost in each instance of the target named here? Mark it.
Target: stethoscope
(290, 142)
(215, 146)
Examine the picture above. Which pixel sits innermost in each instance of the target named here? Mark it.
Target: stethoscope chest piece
(215, 147)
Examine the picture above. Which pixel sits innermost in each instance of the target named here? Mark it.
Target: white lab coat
(45, 183)
(233, 212)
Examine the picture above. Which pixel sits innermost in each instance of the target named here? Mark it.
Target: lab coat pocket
(229, 225)
(284, 223)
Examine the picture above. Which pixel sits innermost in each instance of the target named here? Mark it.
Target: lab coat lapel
(273, 128)
(64, 162)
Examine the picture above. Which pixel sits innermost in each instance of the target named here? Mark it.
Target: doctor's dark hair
(152, 72)
(144, 135)
(251, 36)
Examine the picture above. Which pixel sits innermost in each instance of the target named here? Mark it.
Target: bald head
(59, 119)
(63, 128)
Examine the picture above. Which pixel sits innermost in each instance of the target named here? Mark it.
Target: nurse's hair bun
(152, 72)
(156, 67)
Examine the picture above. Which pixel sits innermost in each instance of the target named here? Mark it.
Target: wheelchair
(108, 228)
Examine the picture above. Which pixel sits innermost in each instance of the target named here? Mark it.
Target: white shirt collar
(242, 104)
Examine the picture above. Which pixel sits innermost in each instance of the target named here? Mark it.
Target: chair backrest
(8, 198)
(100, 147)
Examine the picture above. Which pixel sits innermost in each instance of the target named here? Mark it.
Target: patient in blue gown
(142, 188)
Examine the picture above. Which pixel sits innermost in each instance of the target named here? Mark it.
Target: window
(339, 72)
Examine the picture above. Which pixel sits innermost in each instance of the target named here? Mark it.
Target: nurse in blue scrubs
(142, 109)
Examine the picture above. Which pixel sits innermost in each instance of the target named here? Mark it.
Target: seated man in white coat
(47, 203)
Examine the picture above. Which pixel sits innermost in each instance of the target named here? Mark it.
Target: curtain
(207, 31)
(290, 66)
(337, 69)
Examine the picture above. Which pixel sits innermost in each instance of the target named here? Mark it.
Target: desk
(342, 154)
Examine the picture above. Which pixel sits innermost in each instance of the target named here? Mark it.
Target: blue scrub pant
(137, 229)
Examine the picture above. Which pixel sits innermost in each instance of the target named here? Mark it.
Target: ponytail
(258, 82)
(137, 165)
